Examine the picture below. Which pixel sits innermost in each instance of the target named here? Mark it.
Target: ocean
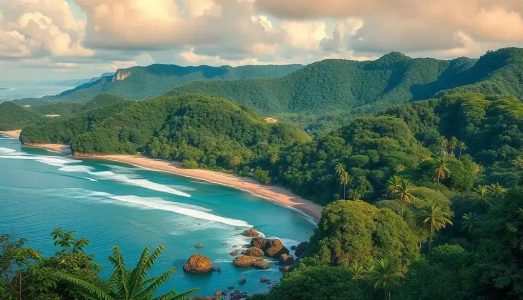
(116, 204)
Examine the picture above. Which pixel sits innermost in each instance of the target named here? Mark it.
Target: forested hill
(354, 87)
(13, 116)
(157, 79)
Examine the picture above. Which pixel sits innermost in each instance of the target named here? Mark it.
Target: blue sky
(44, 40)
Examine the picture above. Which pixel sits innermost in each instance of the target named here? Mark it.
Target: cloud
(38, 27)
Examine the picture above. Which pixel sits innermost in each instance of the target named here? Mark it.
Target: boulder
(242, 281)
(300, 249)
(286, 269)
(198, 264)
(286, 260)
(254, 251)
(199, 245)
(270, 247)
(235, 252)
(244, 261)
(251, 232)
(261, 264)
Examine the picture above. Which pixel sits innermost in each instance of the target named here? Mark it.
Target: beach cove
(112, 203)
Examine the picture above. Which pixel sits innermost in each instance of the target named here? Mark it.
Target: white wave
(6, 150)
(160, 204)
(139, 182)
(76, 168)
(49, 160)
(90, 179)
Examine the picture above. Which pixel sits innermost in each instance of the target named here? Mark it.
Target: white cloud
(304, 34)
(38, 27)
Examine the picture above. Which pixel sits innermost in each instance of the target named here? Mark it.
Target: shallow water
(116, 204)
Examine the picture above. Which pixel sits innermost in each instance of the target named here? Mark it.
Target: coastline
(14, 134)
(58, 148)
(275, 194)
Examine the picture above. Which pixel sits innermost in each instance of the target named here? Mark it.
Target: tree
(127, 283)
(496, 190)
(344, 177)
(441, 171)
(401, 189)
(358, 232)
(443, 144)
(461, 147)
(385, 275)
(453, 144)
(469, 221)
(480, 195)
(434, 218)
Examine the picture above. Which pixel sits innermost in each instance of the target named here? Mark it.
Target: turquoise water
(117, 204)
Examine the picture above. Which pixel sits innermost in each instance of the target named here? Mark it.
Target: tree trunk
(344, 193)
(388, 295)
(430, 242)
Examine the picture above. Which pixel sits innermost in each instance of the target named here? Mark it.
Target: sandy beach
(278, 195)
(58, 148)
(11, 133)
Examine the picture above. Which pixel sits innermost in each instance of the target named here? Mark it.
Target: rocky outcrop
(198, 264)
(270, 247)
(300, 249)
(244, 261)
(254, 251)
(261, 264)
(250, 261)
(251, 232)
(286, 260)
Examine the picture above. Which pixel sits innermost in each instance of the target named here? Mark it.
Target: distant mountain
(156, 80)
(333, 87)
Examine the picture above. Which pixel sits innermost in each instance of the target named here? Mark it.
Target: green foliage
(13, 116)
(322, 282)
(357, 232)
(155, 80)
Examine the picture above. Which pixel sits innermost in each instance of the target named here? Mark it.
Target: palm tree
(518, 162)
(357, 270)
(344, 177)
(480, 195)
(441, 171)
(453, 144)
(461, 147)
(386, 275)
(443, 144)
(469, 221)
(496, 190)
(434, 218)
(127, 284)
(401, 189)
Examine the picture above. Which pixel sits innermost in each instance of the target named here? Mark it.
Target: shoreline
(14, 134)
(57, 148)
(275, 194)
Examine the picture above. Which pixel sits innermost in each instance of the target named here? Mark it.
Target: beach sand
(58, 148)
(11, 133)
(278, 195)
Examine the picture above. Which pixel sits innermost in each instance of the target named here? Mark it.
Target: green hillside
(336, 89)
(63, 129)
(13, 116)
(156, 80)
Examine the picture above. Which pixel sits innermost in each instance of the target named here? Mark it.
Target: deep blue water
(116, 204)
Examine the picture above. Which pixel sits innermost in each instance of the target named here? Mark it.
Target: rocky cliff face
(121, 75)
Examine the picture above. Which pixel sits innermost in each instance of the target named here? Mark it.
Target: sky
(43, 40)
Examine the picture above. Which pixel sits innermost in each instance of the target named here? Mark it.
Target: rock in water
(198, 264)
(251, 232)
(254, 251)
(235, 252)
(300, 249)
(286, 260)
(270, 247)
(199, 245)
(261, 264)
(244, 261)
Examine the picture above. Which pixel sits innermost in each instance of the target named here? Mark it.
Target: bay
(115, 204)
